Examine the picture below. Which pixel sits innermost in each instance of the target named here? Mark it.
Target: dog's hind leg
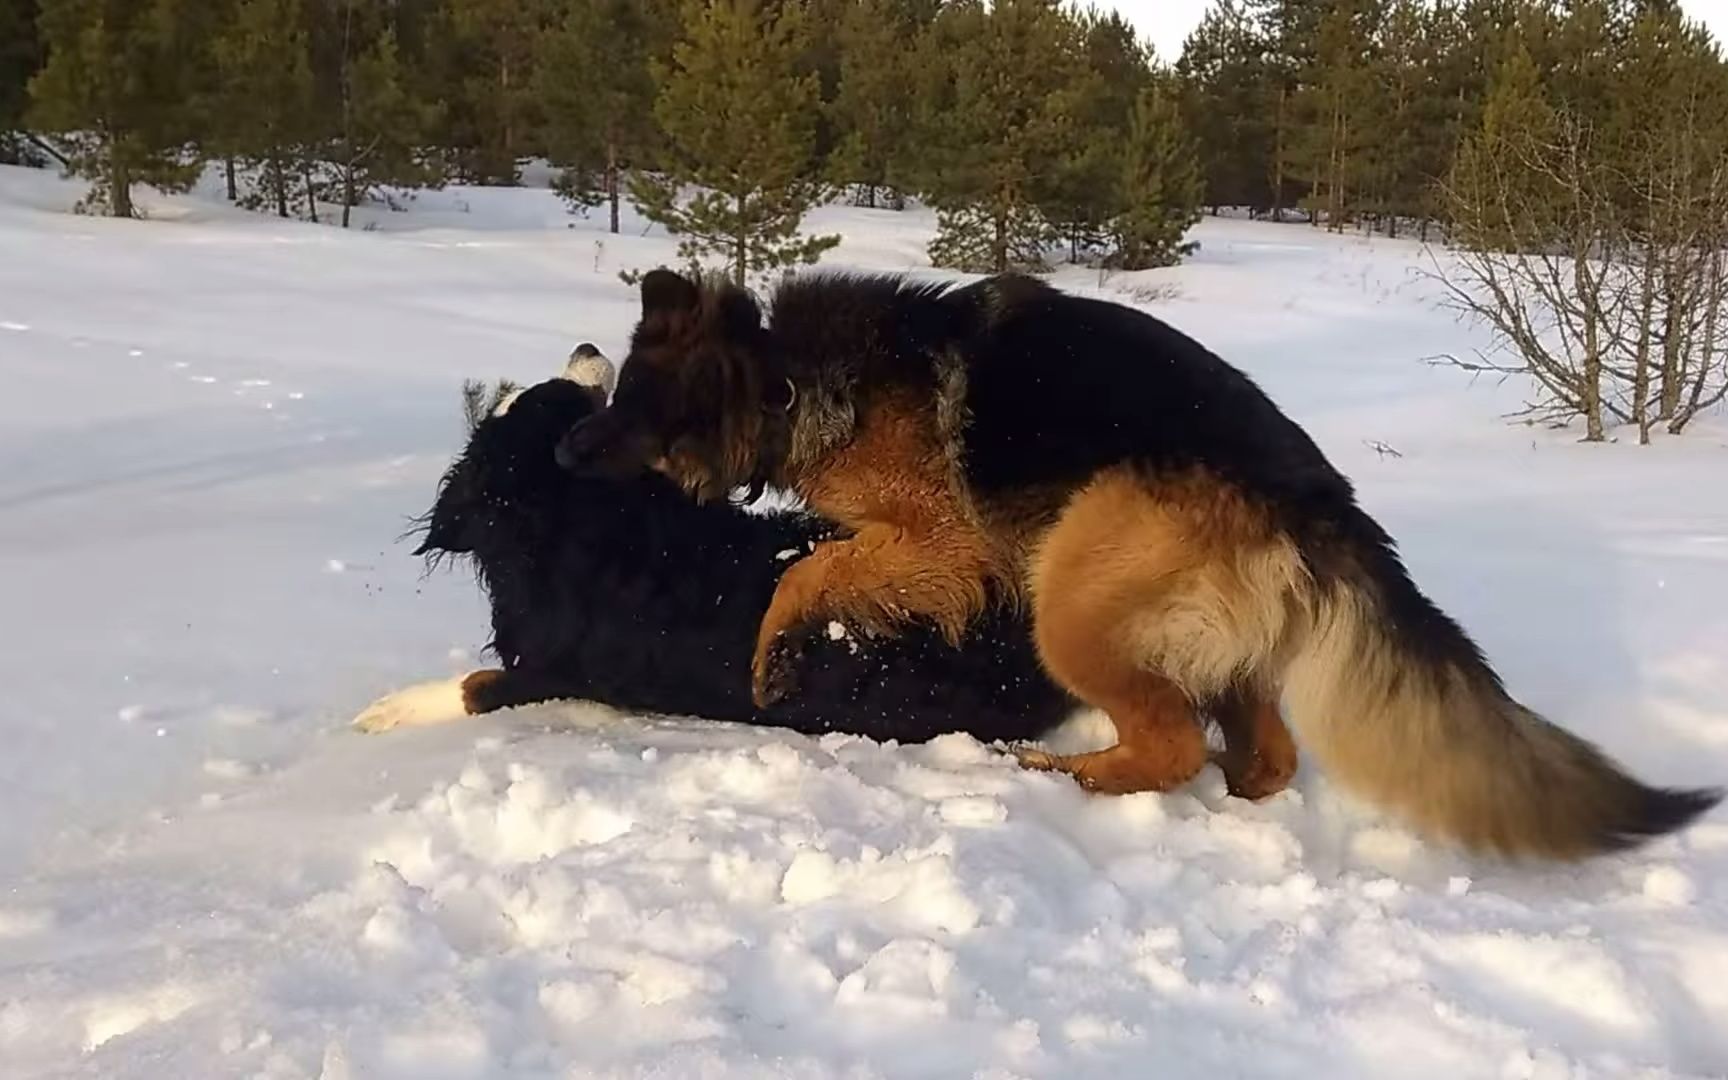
(1081, 636)
(1141, 608)
(1259, 756)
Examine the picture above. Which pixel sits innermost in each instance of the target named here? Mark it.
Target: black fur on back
(628, 593)
(1058, 387)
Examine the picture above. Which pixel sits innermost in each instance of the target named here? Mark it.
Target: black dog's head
(506, 468)
(703, 397)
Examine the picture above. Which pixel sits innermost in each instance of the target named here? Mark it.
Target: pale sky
(1167, 22)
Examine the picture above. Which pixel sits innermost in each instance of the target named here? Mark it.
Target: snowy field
(213, 429)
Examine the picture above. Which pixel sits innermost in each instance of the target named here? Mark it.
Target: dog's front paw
(774, 674)
(1033, 757)
(428, 703)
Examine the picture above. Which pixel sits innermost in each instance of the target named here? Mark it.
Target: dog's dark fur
(628, 593)
(1183, 544)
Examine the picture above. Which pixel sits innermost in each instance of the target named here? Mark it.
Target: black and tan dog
(1182, 544)
(628, 593)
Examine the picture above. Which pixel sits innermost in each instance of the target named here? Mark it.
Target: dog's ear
(665, 292)
(740, 315)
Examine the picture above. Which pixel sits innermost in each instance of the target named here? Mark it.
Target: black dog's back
(630, 594)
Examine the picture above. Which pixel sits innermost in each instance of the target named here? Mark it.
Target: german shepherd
(628, 593)
(1182, 544)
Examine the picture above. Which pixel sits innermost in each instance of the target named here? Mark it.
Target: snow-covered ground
(213, 428)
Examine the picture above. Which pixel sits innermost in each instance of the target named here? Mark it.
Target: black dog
(630, 594)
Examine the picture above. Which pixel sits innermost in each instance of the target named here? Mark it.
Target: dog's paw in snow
(438, 702)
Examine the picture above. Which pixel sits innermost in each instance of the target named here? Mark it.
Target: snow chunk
(1669, 885)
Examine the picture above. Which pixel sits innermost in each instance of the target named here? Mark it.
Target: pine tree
(1083, 193)
(20, 57)
(739, 120)
(120, 83)
(1289, 31)
(1497, 192)
(871, 112)
(1437, 119)
(1392, 180)
(1332, 111)
(596, 91)
(382, 123)
(1230, 104)
(1161, 184)
(259, 108)
(1010, 113)
(486, 51)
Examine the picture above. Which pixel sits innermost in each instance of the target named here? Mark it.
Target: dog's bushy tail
(1398, 705)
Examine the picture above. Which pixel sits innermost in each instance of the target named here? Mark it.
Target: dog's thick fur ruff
(629, 594)
(1183, 545)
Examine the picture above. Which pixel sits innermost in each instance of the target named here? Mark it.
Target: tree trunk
(509, 125)
(740, 250)
(1676, 283)
(870, 196)
(1592, 398)
(1332, 171)
(1641, 372)
(311, 192)
(612, 184)
(349, 195)
(347, 113)
(999, 242)
(1278, 159)
(233, 183)
(119, 182)
(279, 183)
(1718, 288)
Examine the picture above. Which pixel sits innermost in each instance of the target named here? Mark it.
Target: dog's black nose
(587, 348)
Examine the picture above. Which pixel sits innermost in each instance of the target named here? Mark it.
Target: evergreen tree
(820, 59)
(1230, 103)
(1437, 115)
(1392, 183)
(259, 108)
(1331, 110)
(1161, 184)
(871, 113)
(382, 124)
(1497, 190)
(485, 61)
(1010, 115)
(1084, 193)
(739, 121)
(20, 57)
(120, 84)
(1289, 31)
(596, 93)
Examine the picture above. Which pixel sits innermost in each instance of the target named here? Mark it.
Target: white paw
(421, 705)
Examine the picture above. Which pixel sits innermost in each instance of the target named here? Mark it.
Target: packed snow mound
(568, 891)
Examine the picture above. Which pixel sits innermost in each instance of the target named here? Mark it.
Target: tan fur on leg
(1149, 594)
(1160, 745)
(1259, 755)
(881, 577)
